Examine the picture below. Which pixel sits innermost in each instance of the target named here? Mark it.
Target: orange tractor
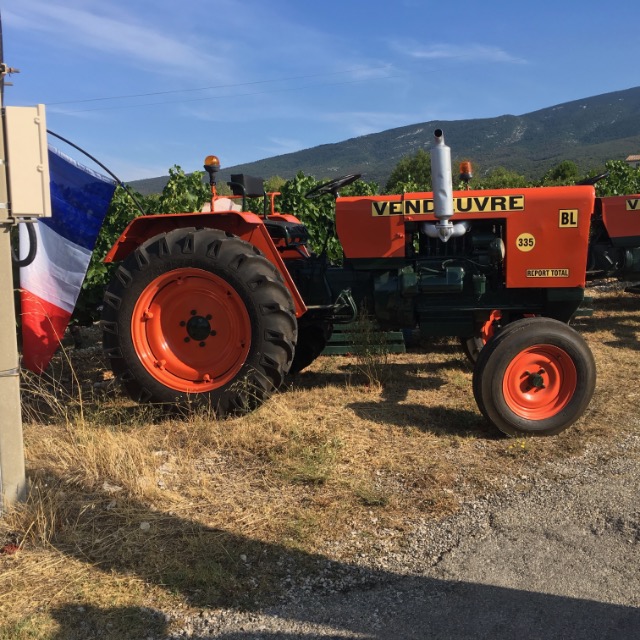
(219, 307)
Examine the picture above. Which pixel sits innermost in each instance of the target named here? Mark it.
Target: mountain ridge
(588, 131)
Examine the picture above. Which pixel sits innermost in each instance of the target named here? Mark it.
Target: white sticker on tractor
(525, 242)
(547, 273)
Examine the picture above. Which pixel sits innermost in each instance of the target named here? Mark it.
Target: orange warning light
(212, 161)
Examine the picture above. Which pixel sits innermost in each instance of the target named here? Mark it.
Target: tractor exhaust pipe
(441, 178)
(441, 181)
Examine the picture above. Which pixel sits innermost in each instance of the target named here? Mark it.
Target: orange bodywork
(621, 217)
(245, 225)
(546, 239)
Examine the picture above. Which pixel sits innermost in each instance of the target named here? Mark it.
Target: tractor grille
(471, 245)
(435, 248)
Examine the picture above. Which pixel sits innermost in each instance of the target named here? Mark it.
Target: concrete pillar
(12, 471)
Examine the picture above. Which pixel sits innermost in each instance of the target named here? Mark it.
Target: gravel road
(553, 555)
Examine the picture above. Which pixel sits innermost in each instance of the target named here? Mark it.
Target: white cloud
(116, 34)
(61, 111)
(467, 52)
(280, 146)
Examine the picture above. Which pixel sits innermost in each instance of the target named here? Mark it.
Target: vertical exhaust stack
(441, 178)
(442, 182)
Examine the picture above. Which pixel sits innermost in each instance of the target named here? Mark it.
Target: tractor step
(357, 337)
(585, 309)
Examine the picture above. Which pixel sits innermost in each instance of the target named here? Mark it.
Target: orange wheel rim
(191, 330)
(539, 382)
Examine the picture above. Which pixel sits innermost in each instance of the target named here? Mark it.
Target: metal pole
(13, 484)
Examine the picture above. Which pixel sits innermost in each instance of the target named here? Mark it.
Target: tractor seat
(284, 233)
(246, 186)
(293, 233)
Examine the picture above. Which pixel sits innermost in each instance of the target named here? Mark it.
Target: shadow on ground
(624, 323)
(212, 568)
(436, 420)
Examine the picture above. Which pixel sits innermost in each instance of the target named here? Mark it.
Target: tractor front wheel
(534, 377)
(198, 316)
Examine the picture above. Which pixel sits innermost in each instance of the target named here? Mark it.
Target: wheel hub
(199, 327)
(535, 380)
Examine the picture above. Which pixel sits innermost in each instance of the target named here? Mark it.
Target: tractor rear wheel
(196, 316)
(534, 377)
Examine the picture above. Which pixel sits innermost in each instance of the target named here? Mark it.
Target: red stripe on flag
(43, 325)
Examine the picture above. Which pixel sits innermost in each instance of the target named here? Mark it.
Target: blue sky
(146, 84)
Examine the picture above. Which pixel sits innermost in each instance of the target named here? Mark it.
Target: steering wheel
(594, 179)
(331, 186)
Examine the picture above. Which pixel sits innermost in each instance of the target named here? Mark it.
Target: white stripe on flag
(57, 273)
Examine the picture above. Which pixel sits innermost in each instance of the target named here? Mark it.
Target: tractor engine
(439, 279)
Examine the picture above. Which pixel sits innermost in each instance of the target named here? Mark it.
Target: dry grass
(132, 512)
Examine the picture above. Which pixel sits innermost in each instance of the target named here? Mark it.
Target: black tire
(517, 394)
(245, 343)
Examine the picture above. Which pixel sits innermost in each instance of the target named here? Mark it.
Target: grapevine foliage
(623, 180)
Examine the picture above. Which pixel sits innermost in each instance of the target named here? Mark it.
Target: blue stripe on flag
(79, 200)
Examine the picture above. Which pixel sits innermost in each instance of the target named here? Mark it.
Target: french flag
(50, 285)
